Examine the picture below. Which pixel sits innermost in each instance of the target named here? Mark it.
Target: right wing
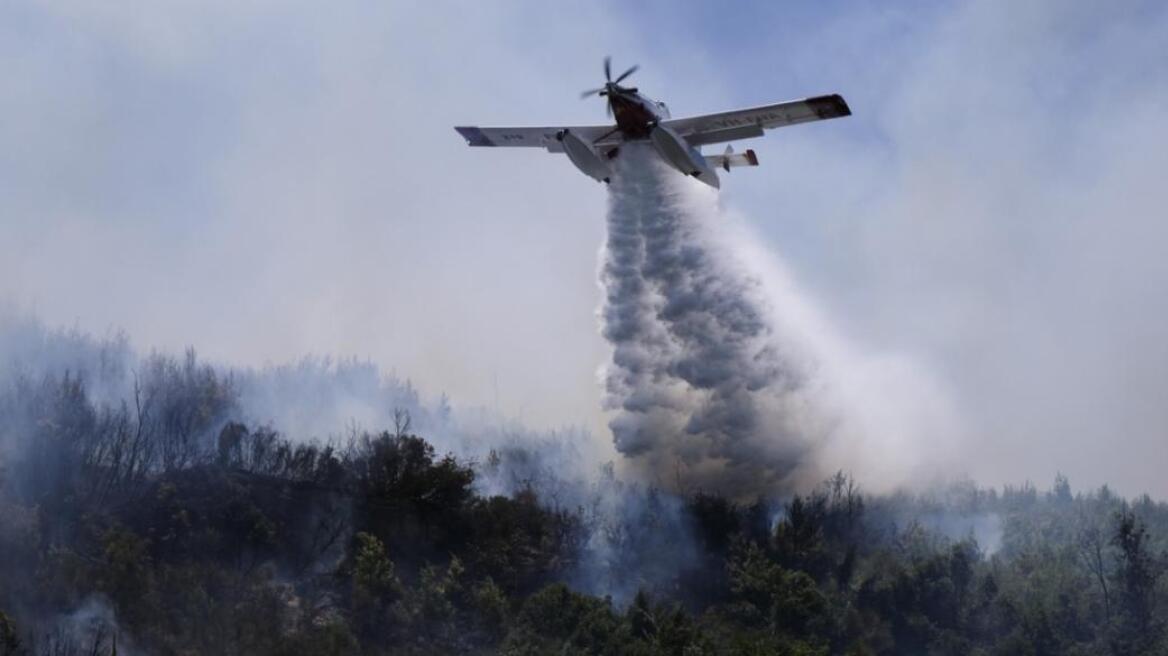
(747, 123)
(601, 135)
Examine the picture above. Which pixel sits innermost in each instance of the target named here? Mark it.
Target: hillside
(162, 524)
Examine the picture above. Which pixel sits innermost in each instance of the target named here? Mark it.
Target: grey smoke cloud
(269, 181)
(1005, 228)
(634, 537)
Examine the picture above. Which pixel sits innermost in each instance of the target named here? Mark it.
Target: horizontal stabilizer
(731, 159)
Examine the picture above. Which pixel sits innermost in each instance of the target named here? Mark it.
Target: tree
(1092, 547)
(799, 537)
(9, 638)
(375, 585)
(1136, 573)
(1062, 489)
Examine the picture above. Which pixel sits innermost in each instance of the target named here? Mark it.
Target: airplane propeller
(632, 69)
(611, 85)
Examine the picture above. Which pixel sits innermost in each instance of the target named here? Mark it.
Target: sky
(266, 180)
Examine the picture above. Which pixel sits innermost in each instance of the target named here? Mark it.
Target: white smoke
(723, 376)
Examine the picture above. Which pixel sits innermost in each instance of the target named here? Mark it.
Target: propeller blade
(608, 68)
(628, 72)
(592, 92)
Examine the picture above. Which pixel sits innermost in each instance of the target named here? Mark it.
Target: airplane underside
(596, 162)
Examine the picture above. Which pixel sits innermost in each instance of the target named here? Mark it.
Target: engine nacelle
(680, 155)
(584, 156)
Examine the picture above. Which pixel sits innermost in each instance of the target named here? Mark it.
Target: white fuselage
(639, 117)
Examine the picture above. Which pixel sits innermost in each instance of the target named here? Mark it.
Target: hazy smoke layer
(703, 395)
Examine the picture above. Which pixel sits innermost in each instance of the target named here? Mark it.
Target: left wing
(601, 135)
(747, 123)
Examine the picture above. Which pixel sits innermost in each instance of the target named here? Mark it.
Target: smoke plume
(703, 392)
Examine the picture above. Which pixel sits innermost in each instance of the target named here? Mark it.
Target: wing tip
(843, 104)
(830, 106)
(473, 136)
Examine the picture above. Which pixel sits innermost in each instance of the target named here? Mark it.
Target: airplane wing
(747, 123)
(602, 135)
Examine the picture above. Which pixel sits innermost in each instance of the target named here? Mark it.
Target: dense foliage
(160, 525)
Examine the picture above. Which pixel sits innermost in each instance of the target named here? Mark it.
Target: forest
(157, 520)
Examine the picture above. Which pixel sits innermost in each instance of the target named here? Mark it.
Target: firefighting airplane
(677, 140)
